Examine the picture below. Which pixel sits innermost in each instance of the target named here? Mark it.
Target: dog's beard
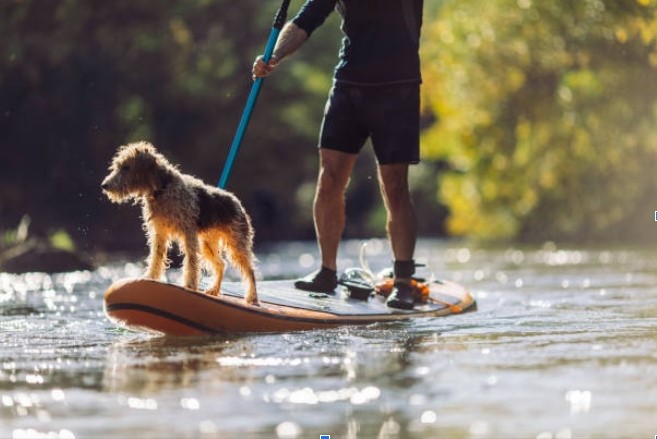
(119, 194)
(120, 197)
(120, 189)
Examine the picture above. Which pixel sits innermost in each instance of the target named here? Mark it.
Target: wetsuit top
(380, 44)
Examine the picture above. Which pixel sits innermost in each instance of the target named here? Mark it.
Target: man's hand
(292, 37)
(262, 69)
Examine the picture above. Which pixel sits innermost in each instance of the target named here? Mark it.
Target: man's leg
(329, 215)
(401, 224)
(329, 206)
(401, 228)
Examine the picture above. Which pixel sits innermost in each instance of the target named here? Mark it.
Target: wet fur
(206, 221)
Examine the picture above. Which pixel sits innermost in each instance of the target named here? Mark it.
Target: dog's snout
(108, 184)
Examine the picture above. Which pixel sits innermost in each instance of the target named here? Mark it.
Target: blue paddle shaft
(277, 26)
(248, 109)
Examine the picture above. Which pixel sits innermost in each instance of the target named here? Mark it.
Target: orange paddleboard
(169, 309)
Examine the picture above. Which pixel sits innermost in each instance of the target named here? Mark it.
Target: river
(563, 345)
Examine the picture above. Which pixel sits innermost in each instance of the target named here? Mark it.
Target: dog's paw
(251, 299)
(212, 292)
(253, 302)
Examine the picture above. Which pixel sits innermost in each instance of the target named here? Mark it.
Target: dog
(203, 219)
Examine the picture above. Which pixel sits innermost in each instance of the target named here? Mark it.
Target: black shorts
(389, 115)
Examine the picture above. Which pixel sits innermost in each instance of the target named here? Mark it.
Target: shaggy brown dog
(203, 219)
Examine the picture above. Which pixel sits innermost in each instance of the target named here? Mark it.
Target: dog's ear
(153, 167)
(129, 152)
(144, 161)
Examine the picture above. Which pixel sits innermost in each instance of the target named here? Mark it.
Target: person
(376, 95)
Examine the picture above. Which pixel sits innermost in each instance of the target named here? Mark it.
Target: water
(564, 345)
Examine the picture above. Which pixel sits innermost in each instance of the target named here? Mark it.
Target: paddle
(279, 21)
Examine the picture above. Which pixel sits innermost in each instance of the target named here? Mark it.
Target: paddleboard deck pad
(154, 306)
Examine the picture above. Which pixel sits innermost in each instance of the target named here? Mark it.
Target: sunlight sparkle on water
(516, 257)
(429, 417)
(554, 257)
(34, 379)
(554, 328)
(268, 361)
(306, 260)
(207, 427)
(417, 399)
(309, 396)
(58, 395)
(34, 434)
(580, 401)
(70, 280)
(190, 403)
(565, 433)
(288, 430)
(140, 403)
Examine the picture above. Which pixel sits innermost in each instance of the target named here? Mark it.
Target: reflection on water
(564, 345)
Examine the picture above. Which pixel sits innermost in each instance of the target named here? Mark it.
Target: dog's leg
(191, 266)
(251, 297)
(212, 255)
(157, 258)
(241, 255)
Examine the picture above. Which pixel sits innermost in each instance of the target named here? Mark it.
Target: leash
(277, 26)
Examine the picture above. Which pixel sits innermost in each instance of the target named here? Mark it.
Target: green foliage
(546, 111)
(78, 78)
(61, 240)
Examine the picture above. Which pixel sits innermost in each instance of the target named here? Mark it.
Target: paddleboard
(142, 304)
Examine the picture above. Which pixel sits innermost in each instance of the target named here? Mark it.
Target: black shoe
(323, 280)
(401, 296)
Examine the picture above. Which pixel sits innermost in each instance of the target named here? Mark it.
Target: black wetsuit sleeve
(313, 14)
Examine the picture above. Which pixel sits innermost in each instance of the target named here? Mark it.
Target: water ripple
(564, 344)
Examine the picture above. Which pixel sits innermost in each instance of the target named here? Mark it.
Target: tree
(546, 112)
(78, 78)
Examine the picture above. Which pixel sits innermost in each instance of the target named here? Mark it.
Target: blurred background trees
(78, 78)
(539, 117)
(546, 111)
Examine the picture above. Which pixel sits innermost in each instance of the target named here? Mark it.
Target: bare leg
(329, 204)
(401, 223)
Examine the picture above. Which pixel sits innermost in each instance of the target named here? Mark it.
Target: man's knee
(335, 169)
(331, 183)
